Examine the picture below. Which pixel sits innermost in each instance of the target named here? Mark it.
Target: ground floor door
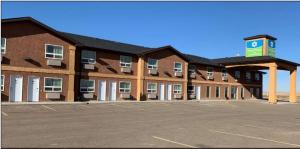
(33, 89)
(161, 91)
(251, 92)
(113, 91)
(257, 93)
(233, 92)
(16, 87)
(101, 90)
(198, 92)
(169, 92)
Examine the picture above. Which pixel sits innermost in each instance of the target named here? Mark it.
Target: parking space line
(48, 108)
(5, 114)
(256, 138)
(182, 144)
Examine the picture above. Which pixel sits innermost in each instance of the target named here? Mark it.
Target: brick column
(185, 85)
(71, 81)
(140, 78)
(293, 78)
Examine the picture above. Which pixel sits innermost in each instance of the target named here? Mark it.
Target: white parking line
(174, 142)
(48, 107)
(257, 138)
(5, 114)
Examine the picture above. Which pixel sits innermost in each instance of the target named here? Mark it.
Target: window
(125, 61)
(152, 63)
(87, 85)
(53, 84)
(237, 74)
(248, 75)
(207, 91)
(151, 87)
(192, 69)
(2, 82)
(191, 89)
(242, 92)
(224, 72)
(210, 71)
(54, 51)
(257, 76)
(125, 87)
(177, 67)
(218, 92)
(226, 92)
(3, 45)
(177, 88)
(88, 57)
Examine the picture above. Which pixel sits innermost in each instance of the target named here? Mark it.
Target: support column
(293, 96)
(185, 85)
(140, 78)
(71, 77)
(272, 83)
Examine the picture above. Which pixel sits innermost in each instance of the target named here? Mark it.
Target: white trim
(177, 68)
(155, 87)
(125, 88)
(2, 82)
(54, 45)
(4, 45)
(86, 87)
(177, 90)
(152, 65)
(61, 86)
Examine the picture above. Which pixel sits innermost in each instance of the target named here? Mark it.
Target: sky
(207, 29)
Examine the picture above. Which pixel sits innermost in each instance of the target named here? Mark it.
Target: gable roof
(167, 47)
(201, 60)
(91, 42)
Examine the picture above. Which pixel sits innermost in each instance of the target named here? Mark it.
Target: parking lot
(152, 124)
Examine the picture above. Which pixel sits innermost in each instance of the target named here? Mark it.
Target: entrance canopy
(264, 63)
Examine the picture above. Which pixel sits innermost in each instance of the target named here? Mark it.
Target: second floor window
(210, 71)
(177, 67)
(237, 74)
(125, 87)
(191, 89)
(248, 75)
(125, 61)
(3, 45)
(87, 85)
(2, 82)
(224, 72)
(54, 51)
(151, 87)
(152, 63)
(53, 84)
(192, 69)
(88, 57)
(177, 89)
(257, 76)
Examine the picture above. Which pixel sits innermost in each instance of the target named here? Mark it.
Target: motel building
(42, 64)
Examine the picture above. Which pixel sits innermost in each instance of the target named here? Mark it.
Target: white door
(162, 91)
(33, 89)
(169, 91)
(16, 83)
(198, 92)
(102, 90)
(113, 91)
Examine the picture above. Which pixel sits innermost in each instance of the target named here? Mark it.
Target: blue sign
(254, 44)
(271, 44)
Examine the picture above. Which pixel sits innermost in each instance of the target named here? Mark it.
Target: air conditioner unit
(192, 96)
(177, 96)
(178, 74)
(224, 78)
(125, 95)
(152, 71)
(126, 69)
(88, 95)
(53, 95)
(152, 96)
(89, 66)
(210, 77)
(53, 62)
(193, 75)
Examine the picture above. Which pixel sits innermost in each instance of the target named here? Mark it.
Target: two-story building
(40, 63)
